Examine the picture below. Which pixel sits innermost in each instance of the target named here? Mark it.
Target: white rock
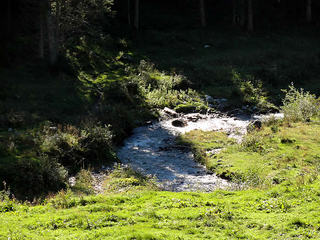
(170, 112)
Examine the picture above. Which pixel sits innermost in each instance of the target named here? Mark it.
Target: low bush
(7, 201)
(77, 148)
(299, 105)
(83, 182)
(33, 176)
(253, 142)
(64, 199)
(37, 162)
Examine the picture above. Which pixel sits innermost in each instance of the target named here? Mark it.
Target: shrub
(83, 183)
(36, 162)
(96, 144)
(7, 203)
(191, 107)
(34, 176)
(299, 105)
(250, 177)
(77, 148)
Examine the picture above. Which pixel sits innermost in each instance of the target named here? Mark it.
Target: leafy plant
(166, 90)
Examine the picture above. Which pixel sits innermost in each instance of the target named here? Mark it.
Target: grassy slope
(277, 153)
(281, 213)
(288, 210)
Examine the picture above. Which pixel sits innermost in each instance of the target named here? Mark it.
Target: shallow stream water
(152, 150)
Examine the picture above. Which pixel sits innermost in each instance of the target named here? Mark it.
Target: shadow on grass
(209, 58)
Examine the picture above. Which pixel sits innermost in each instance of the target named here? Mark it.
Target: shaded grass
(275, 58)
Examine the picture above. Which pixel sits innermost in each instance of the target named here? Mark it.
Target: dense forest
(172, 119)
(45, 29)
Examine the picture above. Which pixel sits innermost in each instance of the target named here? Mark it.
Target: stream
(152, 150)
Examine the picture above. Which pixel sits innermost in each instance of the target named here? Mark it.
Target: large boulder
(256, 124)
(179, 123)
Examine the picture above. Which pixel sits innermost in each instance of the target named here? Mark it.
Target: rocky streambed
(152, 150)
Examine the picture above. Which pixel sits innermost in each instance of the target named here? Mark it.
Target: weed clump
(253, 142)
(30, 176)
(64, 199)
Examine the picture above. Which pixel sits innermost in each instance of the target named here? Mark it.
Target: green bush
(83, 183)
(299, 105)
(77, 148)
(37, 161)
(7, 201)
(96, 143)
(34, 176)
(64, 199)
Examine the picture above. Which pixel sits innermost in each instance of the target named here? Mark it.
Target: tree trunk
(41, 37)
(129, 12)
(309, 11)
(234, 12)
(136, 16)
(57, 25)
(242, 13)
(53, 53)
(250, 16)
(8, 19)
(203, 14)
